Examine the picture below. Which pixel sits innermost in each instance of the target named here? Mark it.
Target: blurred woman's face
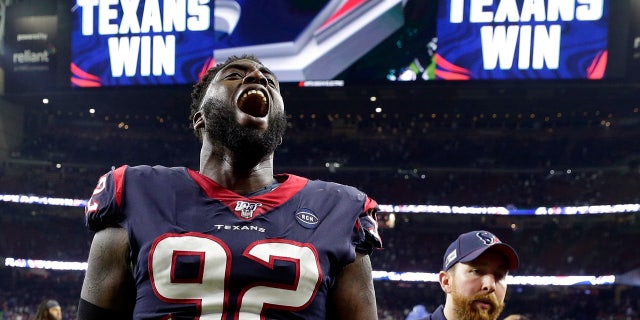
(55, 313)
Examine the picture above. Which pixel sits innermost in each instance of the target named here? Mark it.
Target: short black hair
(200, 88)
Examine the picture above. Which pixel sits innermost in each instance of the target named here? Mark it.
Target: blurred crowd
(522, 160)
(23, 290)
(537, 303)
(523, 141)
(513, 160)
(597, 244)
(547, 245)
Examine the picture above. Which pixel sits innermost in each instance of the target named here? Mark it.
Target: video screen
(165, 42)
(551, 39)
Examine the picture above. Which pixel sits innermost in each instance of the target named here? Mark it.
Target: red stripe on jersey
(370, 204)
(370, 210)
(118, 179)
(289, 186)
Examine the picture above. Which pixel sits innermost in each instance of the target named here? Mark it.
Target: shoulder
(144, 170)
(105, 207)
(338, 189)
(346, 193)
(147, 174)
(153, 170)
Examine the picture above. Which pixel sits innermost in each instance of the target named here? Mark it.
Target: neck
(449, 312)
(237, 175)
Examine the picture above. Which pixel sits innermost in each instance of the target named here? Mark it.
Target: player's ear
(445, 279)
(198, 120)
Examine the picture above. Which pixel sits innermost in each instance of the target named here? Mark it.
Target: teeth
(250, 92)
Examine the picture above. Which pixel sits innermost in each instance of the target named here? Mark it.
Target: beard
(466, 309)
(249, 145)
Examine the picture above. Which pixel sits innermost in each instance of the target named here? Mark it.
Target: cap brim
(506, 250)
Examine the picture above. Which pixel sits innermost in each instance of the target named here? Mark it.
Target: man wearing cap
(473, 276)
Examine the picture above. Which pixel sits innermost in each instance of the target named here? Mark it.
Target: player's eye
(233, 75)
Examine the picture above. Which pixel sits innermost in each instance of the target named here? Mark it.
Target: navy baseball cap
(472, 244)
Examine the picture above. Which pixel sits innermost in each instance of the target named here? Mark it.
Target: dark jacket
(438, 314)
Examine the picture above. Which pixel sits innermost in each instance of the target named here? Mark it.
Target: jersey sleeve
(367, 228)
(104, 207)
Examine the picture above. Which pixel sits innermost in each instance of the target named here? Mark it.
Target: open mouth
(254, 103)
(483, 305)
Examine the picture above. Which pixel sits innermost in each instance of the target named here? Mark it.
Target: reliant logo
(28, 56)
(307, 218)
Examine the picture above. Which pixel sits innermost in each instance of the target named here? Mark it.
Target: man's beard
(466, 309)
(249, 145)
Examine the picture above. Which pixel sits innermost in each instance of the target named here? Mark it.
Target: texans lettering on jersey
(202, 251)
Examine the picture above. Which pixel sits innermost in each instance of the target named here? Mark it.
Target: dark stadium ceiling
(396, 97)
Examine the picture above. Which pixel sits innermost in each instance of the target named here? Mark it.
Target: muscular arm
(108, 282)
(353, 296)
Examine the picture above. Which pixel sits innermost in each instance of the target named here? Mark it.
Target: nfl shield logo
(247, 208)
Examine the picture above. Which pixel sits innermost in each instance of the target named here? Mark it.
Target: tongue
(253, 105)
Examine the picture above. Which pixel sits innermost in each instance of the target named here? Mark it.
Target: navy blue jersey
(200, 251)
